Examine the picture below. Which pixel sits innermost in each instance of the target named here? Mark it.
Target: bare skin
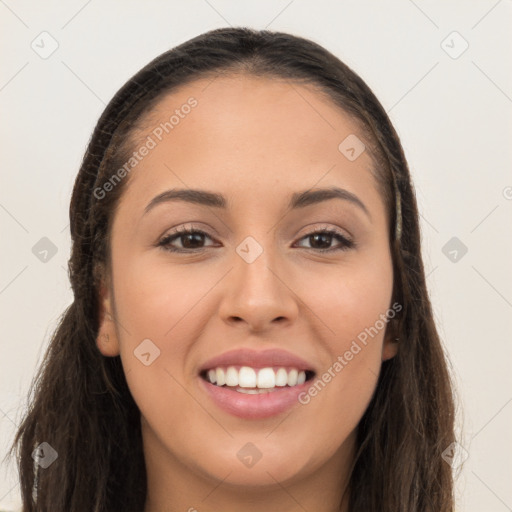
(256, 142)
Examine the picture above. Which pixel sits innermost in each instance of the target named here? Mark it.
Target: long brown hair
(80, 403)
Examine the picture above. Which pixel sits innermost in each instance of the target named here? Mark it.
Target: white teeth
(281, 377)
(266, 378)
(261, 379)
(247, 377)
(253, 391)
(221, 379)
(292, 377)
(231, 377)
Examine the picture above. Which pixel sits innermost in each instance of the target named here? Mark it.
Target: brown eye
(194, 239)
(190, 239)
(321, 241)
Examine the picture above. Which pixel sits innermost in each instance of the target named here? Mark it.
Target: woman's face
(256, 288)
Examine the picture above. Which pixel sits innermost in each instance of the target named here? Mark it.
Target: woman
(251, 326)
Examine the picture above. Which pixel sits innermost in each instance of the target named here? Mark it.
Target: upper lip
(257, 359)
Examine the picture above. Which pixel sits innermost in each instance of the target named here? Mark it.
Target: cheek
(153, 298)
(160, 303)
(353, 304)
(156, 302)
(350, 299)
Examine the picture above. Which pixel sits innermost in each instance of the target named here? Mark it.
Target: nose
(257, 295)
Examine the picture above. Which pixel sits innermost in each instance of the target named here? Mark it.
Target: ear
(391, 340)
(107, 341)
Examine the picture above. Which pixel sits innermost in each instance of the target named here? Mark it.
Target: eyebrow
(215, 200)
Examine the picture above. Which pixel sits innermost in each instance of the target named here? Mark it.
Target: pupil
(197, 236)
(318, 237)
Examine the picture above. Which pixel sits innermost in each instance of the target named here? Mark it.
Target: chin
(266, 471)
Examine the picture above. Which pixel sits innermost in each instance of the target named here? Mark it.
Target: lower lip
(262, 405)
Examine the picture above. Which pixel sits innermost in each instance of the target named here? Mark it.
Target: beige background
(453, 113)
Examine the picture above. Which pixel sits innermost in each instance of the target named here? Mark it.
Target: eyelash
(166, 241)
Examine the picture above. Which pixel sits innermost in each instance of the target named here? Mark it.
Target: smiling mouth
(248, 380)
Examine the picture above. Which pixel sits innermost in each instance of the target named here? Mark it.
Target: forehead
(241, 106)
(243, 132)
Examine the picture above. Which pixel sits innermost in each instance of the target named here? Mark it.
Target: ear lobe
(106, 340)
